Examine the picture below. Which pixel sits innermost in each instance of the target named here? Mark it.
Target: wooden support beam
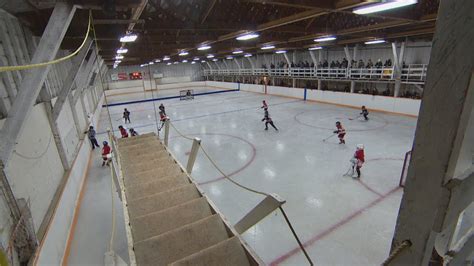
(33, 81)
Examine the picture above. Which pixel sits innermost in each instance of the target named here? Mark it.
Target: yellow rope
(397, 251)
(23, 67)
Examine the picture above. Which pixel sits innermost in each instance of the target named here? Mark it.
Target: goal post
(186, 94)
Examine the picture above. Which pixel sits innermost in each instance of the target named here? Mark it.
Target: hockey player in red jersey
(359, 157)
(163, 119)
(341, 132)
(123, 132)
(106, 153)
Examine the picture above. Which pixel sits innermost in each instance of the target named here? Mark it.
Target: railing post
(193, 155)
(167, 131)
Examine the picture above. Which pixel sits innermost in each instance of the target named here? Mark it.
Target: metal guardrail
(411, 73)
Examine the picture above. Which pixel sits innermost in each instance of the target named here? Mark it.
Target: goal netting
(186, 94)
(406, 163)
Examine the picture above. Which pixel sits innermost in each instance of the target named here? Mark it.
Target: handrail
(409, 73)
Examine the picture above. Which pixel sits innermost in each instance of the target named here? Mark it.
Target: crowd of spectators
(344, 63)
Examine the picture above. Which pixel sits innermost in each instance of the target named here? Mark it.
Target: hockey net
(186, 94)
(406, 163)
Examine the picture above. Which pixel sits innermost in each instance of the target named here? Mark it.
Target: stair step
(147, 156)
(141, 152)
(148, 164)
(152, 175)
(162, 200)
(136, 138)
(157, 223)
(228, 252)
(158, 169)
(158, 185)
(181, 242)
(143, 147)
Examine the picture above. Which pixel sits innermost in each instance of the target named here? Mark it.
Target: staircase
(171, 222)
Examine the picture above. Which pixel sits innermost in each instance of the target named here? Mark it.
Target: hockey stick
(355, 117)
(329, 137)
(351, 170)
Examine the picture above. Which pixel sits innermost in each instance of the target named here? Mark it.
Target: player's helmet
(105, 143)
(363, 106)
(338, 123)
(360, 146)
(120, 126)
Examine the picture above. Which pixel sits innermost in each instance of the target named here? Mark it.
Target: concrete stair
(171, 222)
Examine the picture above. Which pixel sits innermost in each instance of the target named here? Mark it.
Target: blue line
(164, 98)
(201, 116)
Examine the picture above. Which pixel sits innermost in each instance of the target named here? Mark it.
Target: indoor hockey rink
(339, 219)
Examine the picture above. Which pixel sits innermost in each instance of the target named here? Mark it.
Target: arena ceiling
(166, 27)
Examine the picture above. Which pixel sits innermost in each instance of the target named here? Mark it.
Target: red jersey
(359, 155)
(340, 129)
(106, 150)
(124, 133)
(163, 117)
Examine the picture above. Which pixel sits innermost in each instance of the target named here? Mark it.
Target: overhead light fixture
(151, 63)
(280, 52)
(387, 5)
(176, 63)
(128, 38)
(183, 53)
(325, 39)
(184, 61)
(203, 61)
(374, 41)
(196, 59)
(169, 63)
(229, 57)
(193, 62)
(315, 48)
(143, 65)
(204, 47)
(247, 55)
(215, 59)
(118, 61)
(122, 51)
(247, 36)
(166, 58)
(157, 60)
(268, 47)
(119, 57)
(210, 56)
(237, 52)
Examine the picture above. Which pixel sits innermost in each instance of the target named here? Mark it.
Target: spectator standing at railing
(354, 64)
(272, 66)
(325, 64)
(361, 64)
(388, 63)
(333, 64)
(312, 65)
(344, 63)
(369, 64)
(378, 64)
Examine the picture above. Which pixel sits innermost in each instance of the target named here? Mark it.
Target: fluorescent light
(267, 47)
(247, 55)
(315, 48)
(247, 36)
(280, 52)
(203, 61)
(229, 57)
(237, 52)
(215, 59)
(384, 6)
(143, 65)
(375, 42)
(210, 56)
(122, 51)
(176, 63)
(183, 53)
(157, 60)
(118, 61)
(166, 58)
(168, 63)
(325, 39)
(151, 63)
(204, 47)
(185, 61)
(129, 38)
(119, 57)
(196, 59)
(192, 63)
